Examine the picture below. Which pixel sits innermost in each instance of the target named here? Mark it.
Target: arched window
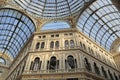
(89, 49)
(84, 46)
(55, 25)
(32, 65)
(92, 51)
(37, 45)
(36, 64)
(80, 44)
(71, 63)
(1, 73)
(98, 55)
(53, 64)
(104, 72)
(42, 45)
(72, 44)
(51, 44)
(110, 75)
(87, 64)
(66, 44)
(116, 78)
(57, 44)
(23, 66)
(96, 68)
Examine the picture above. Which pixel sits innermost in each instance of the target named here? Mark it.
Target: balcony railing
(55, 71)
(64, 71)
(60, 48)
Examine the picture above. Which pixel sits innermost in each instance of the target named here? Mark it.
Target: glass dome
(52, 8)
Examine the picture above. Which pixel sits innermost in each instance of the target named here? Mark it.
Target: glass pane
(14, 31)
(99, 20)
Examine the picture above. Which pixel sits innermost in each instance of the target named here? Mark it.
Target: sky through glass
(15, 29)
(101, 22)
(52, 8)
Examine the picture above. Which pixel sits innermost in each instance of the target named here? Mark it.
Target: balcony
(55, 71)
(65, 71)
(57, 49)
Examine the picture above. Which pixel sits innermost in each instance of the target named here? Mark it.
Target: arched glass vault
(15, 29)
(101, 22)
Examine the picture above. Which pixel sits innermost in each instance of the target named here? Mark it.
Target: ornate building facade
(59, 40)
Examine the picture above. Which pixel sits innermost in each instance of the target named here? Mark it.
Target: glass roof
(2, 61)
(52, 8)
(101, 22)
(15, 29)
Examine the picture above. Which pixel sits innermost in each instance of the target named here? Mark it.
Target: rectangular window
(39, 36)
(52, 35)
(70, 34)
(57, 35)
(65, 34)
(44, 36)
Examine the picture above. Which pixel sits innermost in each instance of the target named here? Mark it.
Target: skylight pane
(100, 22)
(11, 40)
(51, 8)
